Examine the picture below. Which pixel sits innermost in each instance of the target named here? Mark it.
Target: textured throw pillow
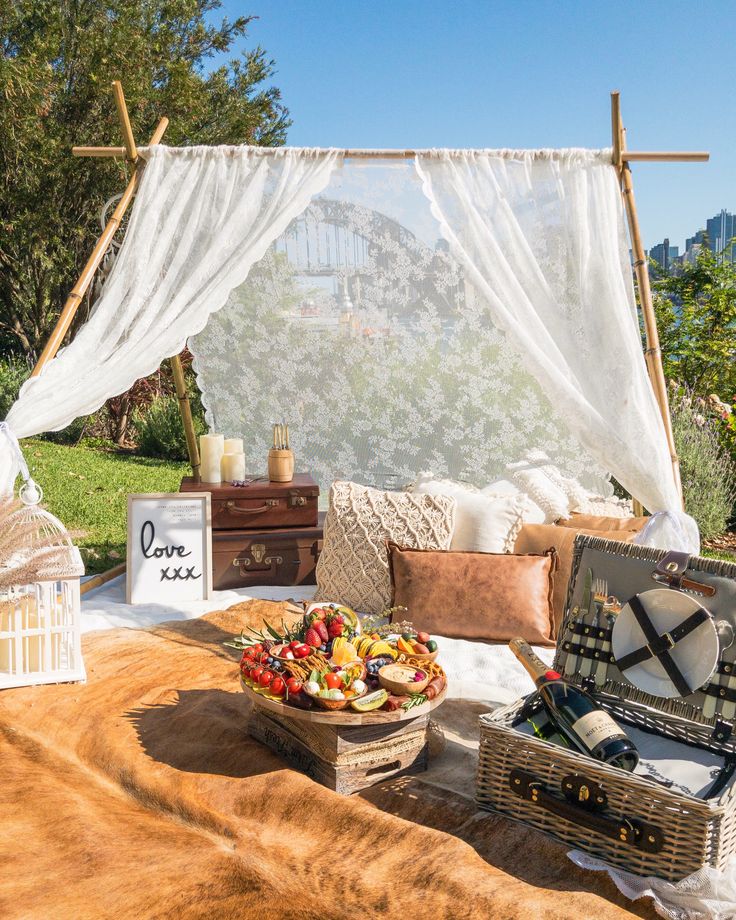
(486, 596)
(532, 513)
(353, 564)
(483, 523)
(536, 538)
(598, 522)
(554, 492)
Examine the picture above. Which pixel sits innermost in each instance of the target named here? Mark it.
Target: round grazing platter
(343, 716)
(334, 667)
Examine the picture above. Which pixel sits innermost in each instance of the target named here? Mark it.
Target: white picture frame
(169, 557)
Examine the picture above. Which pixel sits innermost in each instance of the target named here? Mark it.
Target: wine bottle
(576, 714)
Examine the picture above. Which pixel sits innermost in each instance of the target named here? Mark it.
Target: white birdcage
(40, 617)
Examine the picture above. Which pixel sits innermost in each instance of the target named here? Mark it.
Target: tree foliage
(696, 315)
(58, 59)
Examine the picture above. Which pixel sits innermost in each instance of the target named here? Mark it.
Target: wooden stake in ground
(185, 410)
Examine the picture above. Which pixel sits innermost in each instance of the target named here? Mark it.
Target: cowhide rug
(141, 795)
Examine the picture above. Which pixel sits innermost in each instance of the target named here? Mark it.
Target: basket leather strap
(659, 646)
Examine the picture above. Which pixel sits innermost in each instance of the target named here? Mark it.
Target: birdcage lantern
(40, 612)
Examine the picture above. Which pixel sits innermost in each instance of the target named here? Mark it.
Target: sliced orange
(404, 646)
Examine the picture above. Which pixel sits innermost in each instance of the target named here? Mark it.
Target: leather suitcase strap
(659, 646)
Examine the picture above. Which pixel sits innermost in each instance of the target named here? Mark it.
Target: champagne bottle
(576, 714)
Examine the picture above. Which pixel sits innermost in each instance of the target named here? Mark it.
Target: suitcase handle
(233, 509)
(636, 833)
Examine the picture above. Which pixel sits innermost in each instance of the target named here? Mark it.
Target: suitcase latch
(297, 501)
(257, 555)
(583, 792)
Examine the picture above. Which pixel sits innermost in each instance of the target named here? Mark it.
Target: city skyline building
(717, 234)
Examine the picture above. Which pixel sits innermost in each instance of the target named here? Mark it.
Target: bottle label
(596, 727)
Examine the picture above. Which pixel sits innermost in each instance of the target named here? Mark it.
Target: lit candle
(233, 467)
(233, 445)
(211, 449)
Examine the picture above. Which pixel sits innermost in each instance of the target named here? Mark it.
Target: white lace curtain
(201, 218)
(454, 340)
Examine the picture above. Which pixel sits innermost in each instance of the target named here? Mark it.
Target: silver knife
(571, 662)
(587, 665)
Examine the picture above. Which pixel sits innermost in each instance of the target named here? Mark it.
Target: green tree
(696, 315)
(58, 59)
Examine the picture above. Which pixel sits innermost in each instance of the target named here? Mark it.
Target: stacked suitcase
(263, 533)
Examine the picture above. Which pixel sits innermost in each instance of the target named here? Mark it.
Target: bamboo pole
(98, 151)
(185, 410)
(98, 580)
(128, 139)
(653, 353)
(74, 299)
(649, 156)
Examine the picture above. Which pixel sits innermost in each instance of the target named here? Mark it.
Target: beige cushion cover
(353, 565)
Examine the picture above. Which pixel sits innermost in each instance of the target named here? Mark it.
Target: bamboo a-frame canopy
(201, 183)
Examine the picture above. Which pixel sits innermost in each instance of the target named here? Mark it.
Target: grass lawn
(87, 488)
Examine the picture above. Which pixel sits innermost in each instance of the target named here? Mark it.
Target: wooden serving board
(358, 765)
(342, 716)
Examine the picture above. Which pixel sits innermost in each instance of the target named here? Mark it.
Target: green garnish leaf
(277, 636)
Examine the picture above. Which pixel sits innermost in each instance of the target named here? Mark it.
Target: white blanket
(475, 670)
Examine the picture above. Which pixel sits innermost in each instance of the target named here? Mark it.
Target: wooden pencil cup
(280, 465)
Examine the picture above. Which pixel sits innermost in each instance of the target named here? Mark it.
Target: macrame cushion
(484, 523)
(353, 565)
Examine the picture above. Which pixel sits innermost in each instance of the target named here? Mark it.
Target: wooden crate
(345, 758)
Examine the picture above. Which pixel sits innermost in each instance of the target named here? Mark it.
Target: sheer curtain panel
(201, 218)
(541, 236)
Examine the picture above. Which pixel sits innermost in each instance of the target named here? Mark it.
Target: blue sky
(517, 74)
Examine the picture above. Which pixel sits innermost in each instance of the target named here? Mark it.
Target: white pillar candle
(211, 449)
(233, 467)
(233, 445)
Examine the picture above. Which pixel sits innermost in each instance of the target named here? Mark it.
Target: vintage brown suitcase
(284, 556)
(260, 504)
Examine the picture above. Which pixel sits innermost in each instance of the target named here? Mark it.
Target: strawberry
(334, 629)
(312, 637)
(321, 628)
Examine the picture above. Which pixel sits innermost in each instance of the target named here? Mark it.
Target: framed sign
(169, 547)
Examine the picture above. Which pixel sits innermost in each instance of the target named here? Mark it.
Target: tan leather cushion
(536, 538)
(594, 522)
(489, 596)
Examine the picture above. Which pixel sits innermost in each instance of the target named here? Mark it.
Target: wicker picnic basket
(629, 820)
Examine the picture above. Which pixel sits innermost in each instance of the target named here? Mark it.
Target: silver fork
(600, 593)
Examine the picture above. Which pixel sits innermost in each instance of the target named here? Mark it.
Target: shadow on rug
(141, 795)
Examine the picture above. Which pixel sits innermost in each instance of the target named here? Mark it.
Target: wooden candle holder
(280, 465)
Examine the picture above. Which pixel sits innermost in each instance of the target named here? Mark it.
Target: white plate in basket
(696, 655)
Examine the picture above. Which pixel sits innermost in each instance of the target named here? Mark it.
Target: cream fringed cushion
(353, 565)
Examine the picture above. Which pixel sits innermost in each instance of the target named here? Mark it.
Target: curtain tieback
(29, 492)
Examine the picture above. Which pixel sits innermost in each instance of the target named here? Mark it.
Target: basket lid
(625, 635)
